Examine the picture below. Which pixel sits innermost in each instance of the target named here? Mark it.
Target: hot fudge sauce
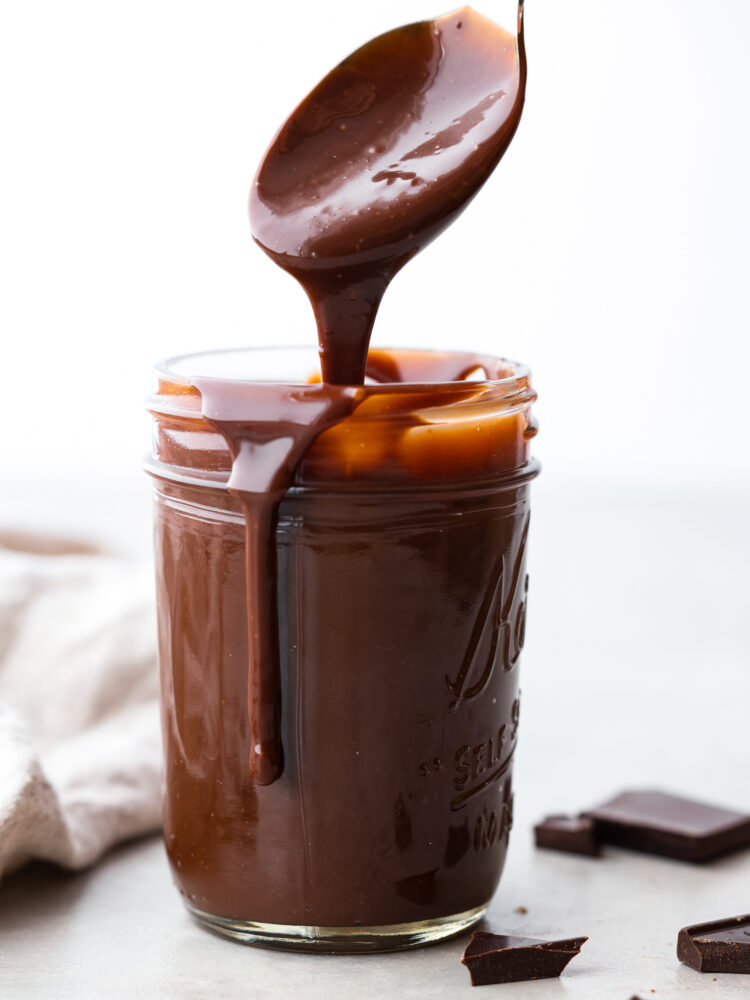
(377, 160)
(341, 565)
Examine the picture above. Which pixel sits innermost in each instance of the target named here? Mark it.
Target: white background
(610, 251)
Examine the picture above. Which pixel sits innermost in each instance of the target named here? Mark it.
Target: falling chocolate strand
(382, 155)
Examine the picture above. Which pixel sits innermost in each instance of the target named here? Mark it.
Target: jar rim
(386, 417)
(168, 368)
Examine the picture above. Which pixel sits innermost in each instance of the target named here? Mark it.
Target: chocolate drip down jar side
(400, 595)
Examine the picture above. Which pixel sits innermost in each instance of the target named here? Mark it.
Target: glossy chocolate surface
(378, 159)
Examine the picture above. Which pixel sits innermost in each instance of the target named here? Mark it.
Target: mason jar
(401, 591)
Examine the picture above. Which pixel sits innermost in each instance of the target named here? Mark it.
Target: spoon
(378, 159)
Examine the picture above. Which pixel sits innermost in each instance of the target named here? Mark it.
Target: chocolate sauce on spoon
(380, 157)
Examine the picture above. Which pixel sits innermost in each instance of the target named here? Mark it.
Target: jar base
(340, 940)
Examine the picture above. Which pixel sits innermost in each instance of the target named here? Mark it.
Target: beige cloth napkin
(80, 751)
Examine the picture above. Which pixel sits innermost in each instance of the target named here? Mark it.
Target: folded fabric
(80, 751)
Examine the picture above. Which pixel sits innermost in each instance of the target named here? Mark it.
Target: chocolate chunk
(721, 946)
(497, 958)
(659, 823)
(575, 834)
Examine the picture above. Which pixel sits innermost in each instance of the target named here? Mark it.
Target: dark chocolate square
(674, 827)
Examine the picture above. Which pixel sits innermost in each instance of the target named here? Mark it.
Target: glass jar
(401, 594)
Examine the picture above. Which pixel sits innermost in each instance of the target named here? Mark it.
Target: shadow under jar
(401, 590)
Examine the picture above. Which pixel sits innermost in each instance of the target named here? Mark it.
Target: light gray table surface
(636, 673)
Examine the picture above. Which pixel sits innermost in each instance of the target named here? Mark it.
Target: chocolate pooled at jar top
(401, 610)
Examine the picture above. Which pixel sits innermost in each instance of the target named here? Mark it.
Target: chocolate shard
(498, 958)
(575, 834)
(674, 827)
(720, 946)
